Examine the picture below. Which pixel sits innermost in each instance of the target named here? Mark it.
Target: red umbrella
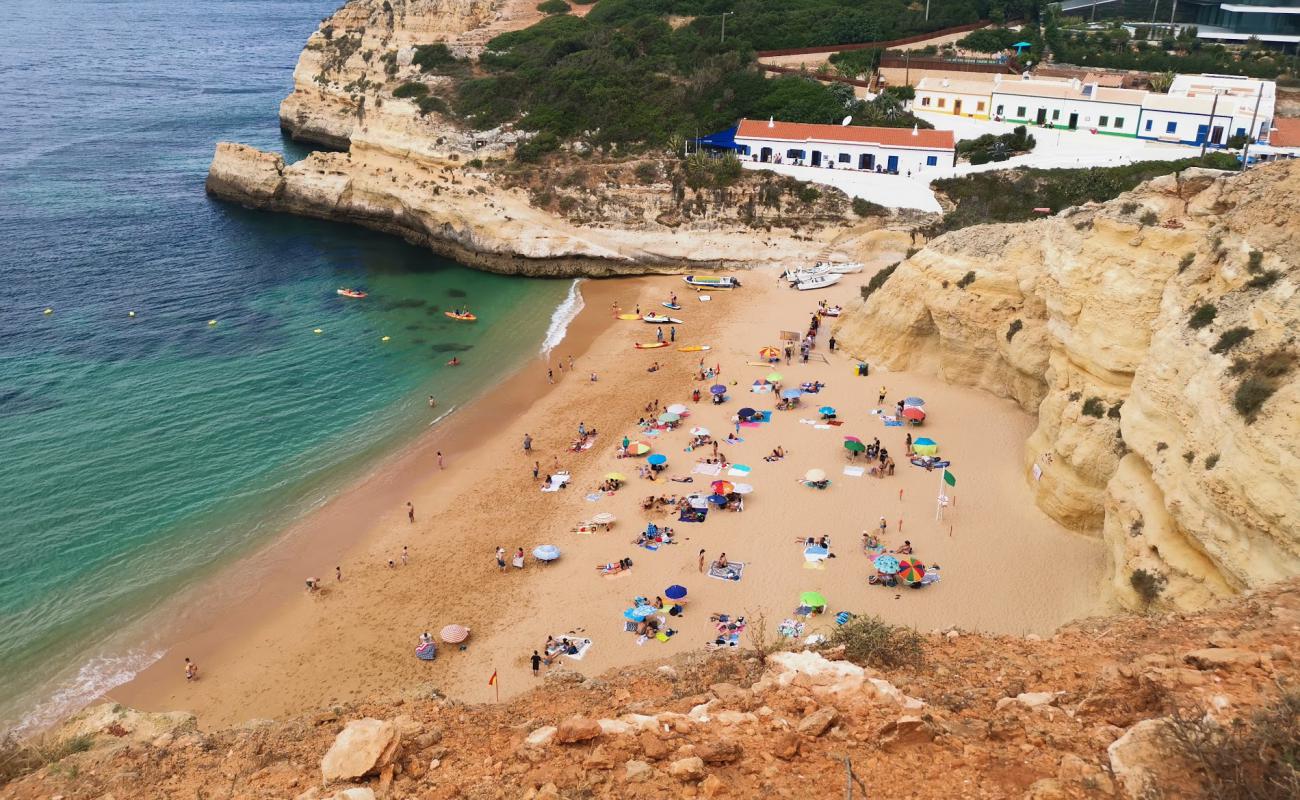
(722, 487)
(914, 413)
(852, 439)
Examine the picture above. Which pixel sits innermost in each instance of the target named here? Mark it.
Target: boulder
(687, 769)
(818, 722)
(1222, 658)
(614, 727)
(786, 745)
(577, 729)
(635, 771)
(653, 747)
(720, 751)
(905, 731)
(355, 793)
(1136, 756)
(713, 786)
(362, 747)
(541, 737)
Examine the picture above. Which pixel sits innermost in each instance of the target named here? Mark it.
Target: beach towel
(648, 545)
(731, 572)
(822, 426)
(732, 441)
(558, 480)
(749, 424)
(426, 652)
(762, 416)
(593, 497)
(818, 565)
(622, 573)
(708, 469)
(583, 645)
(835, 422)
(789, 628)
(855, 472)
(692, 515)
(815, 553)
(738, 470)
(891, 422)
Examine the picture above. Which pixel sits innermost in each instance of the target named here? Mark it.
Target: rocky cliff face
(1083, 715)
(1155, 338)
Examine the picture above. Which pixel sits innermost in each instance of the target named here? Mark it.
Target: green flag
(949, 478)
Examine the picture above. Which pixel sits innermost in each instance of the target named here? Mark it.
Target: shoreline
(271, 576)
(353, 641)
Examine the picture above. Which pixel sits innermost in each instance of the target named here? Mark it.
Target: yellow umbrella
(769, 352)
(615, 476)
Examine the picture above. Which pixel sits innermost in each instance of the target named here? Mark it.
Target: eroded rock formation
(1155, 338)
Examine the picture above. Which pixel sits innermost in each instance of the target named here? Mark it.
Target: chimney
(770, 122)
(915, 131)
(945, 82)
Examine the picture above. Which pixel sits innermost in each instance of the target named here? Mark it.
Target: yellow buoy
(317, 330)
(130, 313)
(384, 339)
(212, 322)
(48, 311)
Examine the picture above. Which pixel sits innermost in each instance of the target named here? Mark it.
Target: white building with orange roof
(903, 151)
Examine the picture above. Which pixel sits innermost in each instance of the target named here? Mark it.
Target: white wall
(1090, 112)
(970, 103)
(909, 160)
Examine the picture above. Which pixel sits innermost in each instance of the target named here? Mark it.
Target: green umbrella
(774, 376)
(856, 447)
(812, 599)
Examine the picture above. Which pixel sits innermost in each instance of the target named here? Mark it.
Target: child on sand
(191, 670)
(501, 559)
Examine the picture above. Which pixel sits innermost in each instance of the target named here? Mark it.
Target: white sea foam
(442, 416)
(566, 312)
(96, 677)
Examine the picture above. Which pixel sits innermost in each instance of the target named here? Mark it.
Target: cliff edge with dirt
(1155, 338)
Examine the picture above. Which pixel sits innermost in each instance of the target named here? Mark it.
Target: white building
(1211, 109)
(1068, 104)
(852, 147)
(959, 97)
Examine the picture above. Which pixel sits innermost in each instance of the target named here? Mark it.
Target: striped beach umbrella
(637, 448)
(913, 401)
(911, 570)
(454, 634)
(603, 518)
(769, 352)
(886, 564)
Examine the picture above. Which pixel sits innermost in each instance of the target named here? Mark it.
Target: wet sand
(1006, 567)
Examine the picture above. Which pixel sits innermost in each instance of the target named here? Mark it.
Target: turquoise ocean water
(139, 454)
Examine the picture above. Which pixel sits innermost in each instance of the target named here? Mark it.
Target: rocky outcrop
(1154, 337)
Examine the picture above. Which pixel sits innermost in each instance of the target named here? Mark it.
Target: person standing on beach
(440, 464)
(880, 401)
(537, 664)
(537, 467)
(659, 334)
(528, 443)
(550, 376)
(582, 430)
(501, 559)
(701, 560)
(338, 574)
(406, 555)
(410, 511)
(191, 670)
(570, 363)
(672, 334)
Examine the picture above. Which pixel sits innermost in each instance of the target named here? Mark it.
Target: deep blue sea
(139, 453)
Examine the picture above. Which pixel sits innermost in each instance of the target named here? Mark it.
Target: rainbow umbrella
(637, 448)
(886, 564)
(812, 599)
(854, 446)
(911, 570)
(675, 592)
(769, 352)
(657, 459)
(717, 388)
(454, 634)
(913, 413)
(925, 447)
(722, 487)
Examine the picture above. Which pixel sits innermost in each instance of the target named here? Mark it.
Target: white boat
(840, 267)
(711, 281)
(796, 274)
(660, 319)
(818, 282)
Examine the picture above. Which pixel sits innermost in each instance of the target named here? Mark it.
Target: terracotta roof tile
(852, 134)
(1287, 133)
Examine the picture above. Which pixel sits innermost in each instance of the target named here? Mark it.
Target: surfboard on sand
(673, 306)
(693, 348)
(649, 345)
(628, 316)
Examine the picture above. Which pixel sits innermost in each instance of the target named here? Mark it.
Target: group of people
(654, 534)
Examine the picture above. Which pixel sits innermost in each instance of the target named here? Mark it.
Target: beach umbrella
(722, 487)
(668, 416)
(775, 376)
(676, 408)
(717, 388)
(742, 488)
(769, 352)
(815, 475)
(826, 410)
(657, 459)
(546, 552)
(717, 500)
(911, 570)
(925, 447)
(812, 599)
(852, 439)
(603, 518)
(639, 613)
(699, 431)
(791, 394)
(913, 401)
(675, 592)
(615, 476)
(454, 634)
(914, 413)
(745, 413)
(854, 446)
(886, 564)
(637, 448)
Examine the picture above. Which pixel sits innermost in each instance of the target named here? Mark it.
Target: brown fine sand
(1006, 567)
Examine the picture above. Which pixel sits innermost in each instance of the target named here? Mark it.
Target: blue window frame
(1149, 122)
(1241, 131)
(932, 161)
(1171, 127)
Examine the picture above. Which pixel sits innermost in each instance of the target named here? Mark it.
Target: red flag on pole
(493, 680)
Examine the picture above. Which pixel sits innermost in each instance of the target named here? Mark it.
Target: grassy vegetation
(1094, 407)
(1230, 339)
(411, 89)
(1261, 377)
(553, 7)
(866, 208)
(1254, 758)
(1202, 316)
(19, 757)
(878, 280)
(1012, 195)
(872, 642)
(986, 148)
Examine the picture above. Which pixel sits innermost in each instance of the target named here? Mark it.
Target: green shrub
(966, 280)
(647, 172)
(878, 280)
(1014, 328)
(808, 194)
(1255, 758)
(1230, 339)
(1264, 279)
(1148, 218)
(533, 149)
(872, 642)
(1114, 411)
(553, 7)
(1202, 316)
(1128, 207)
(1186, 261)
(1094, 407)
(1189, 457)
(1255, 262)
(476, 163)
(1148, 585)
(1211, 460)
(19, 757)
(1251, 396)
(866, 208)
(432, 57)
(411, 89)
(432, 103)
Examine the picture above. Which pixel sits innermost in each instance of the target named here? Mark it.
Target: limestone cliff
(1155, 338)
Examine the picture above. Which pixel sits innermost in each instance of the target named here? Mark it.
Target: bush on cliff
(553, 7)
(872, 642)
(411, 89)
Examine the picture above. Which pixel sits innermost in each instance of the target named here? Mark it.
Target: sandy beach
(278, 650)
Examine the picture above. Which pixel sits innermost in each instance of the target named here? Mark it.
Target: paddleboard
(761, 364)
(649, 345)
(693, 348)
(672, 306)
(628, 316)
(656, 320)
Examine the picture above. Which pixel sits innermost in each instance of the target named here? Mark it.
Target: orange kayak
(461, 317)
(354, 293)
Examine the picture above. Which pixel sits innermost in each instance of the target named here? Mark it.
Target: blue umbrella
(675, 592)
(914, 401)
(886, 565)
(745, 413)
(717, 388)
(641, 612)
(826, 410)
(657, 459)
(546, 552)
(717, 499)
(790, 394)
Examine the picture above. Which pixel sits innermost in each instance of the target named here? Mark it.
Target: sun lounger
(731, 572)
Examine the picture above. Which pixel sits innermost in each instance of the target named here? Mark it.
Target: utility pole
(1210, 129)
(907, 67)
(1250, 134)
(725, 14)
(927, 10)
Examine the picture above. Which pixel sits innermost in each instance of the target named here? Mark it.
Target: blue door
(893, 164)
(1202, 132)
